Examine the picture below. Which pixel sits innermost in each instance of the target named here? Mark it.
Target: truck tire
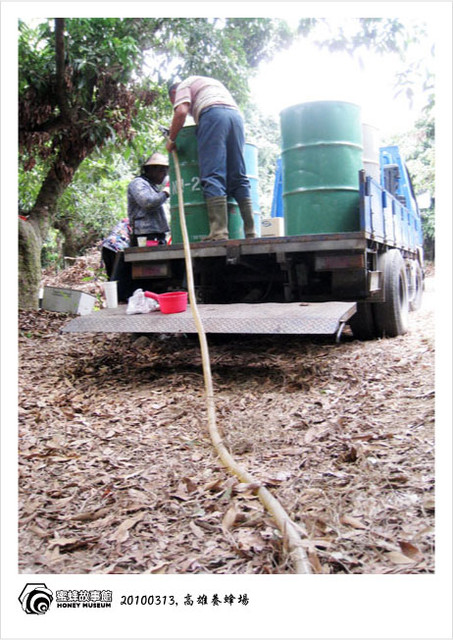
(416, 298)
(362, 322)
(391, 316)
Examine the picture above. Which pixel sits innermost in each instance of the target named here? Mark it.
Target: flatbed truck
(315, 283)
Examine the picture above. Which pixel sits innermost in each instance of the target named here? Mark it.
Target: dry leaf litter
(117, 473)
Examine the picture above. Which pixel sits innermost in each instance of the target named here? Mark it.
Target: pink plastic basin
(173, 302)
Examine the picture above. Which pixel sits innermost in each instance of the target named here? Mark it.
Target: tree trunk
(33, 232)
(75, 243)
(30, 244)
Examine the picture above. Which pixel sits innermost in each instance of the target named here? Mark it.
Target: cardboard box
(67, 301)
(272, 227)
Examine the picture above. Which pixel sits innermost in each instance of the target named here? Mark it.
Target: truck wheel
(416, 298)
(362, 322)
(391, 316)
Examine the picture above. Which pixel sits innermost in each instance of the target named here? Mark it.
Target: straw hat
(157, 159)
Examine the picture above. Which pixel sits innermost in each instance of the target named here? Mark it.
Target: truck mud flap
(320, 318)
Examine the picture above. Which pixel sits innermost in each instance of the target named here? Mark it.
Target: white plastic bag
(139, 303)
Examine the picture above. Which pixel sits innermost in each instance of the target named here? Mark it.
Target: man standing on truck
(145, 201)
(221, 141)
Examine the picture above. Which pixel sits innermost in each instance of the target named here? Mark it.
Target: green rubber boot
(218, 218)
(246, 209)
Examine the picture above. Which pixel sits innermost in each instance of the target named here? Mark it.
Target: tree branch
(62, 96)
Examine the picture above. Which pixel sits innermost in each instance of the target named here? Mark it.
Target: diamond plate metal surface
(269, 318)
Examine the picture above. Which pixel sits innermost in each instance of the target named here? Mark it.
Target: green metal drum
(251, 165)
(194, 203)
(235, 222)
(195, 209)
(321, 158)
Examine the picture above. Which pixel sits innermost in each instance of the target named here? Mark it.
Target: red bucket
(173, 302)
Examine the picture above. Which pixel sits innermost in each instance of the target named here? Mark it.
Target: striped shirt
(201, 92)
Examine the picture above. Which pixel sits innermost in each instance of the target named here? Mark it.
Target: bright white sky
(305, 73)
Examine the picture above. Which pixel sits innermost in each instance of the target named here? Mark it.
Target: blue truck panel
(277, 195)
(388, 210)
(386, 218)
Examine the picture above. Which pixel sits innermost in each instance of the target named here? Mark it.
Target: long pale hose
(284, 523)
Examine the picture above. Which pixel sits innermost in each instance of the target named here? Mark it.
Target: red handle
(154, 296)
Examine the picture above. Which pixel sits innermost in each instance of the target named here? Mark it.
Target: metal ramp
(324, 318)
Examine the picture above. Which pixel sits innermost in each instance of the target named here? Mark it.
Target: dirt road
(118, 474)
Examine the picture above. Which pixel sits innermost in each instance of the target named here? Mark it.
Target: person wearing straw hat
(221, 143)
(145, 201)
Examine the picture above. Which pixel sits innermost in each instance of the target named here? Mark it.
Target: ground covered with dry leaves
(117, 473)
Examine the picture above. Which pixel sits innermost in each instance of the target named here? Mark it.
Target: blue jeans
(221, 141)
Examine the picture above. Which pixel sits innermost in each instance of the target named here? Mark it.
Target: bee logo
(36, 598)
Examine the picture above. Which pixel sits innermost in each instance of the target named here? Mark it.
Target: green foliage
(66, 112)
(92, 123)
(228, 49)
(382, 35)
(51, 253)
(94, 201)
(29, 184)
(116, 69)
(36, 55)
(418, 149)
(265, 133)
(115, 80)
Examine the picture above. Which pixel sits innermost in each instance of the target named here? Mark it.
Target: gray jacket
(144, 206)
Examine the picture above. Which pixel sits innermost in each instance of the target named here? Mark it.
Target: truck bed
(232, 249)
